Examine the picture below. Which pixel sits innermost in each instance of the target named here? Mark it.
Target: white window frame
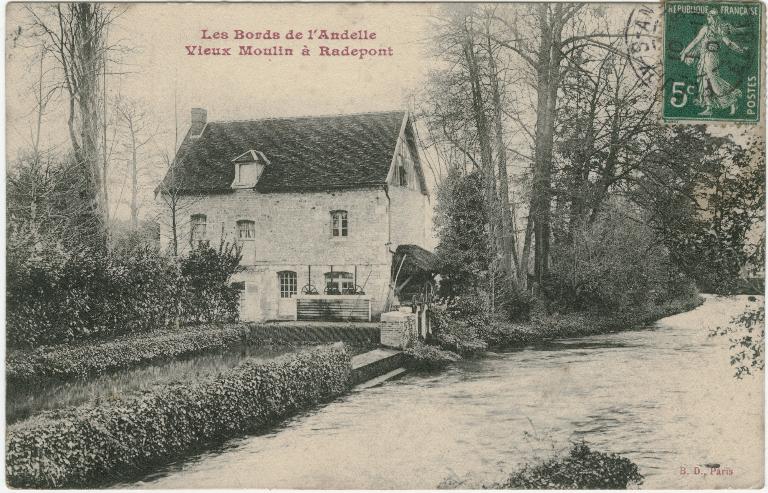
(198, 230)
(287, 283)
(339, 224)
(246, 223)
(337, 279)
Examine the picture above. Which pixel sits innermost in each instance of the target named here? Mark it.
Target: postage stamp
(711, 61)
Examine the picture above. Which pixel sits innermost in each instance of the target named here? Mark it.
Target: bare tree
(544, 37)
(75, 36)
(139, 132)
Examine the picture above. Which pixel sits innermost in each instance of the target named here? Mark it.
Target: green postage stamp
(712, 59)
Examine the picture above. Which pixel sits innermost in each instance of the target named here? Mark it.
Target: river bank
(663, 396)
(457, 338)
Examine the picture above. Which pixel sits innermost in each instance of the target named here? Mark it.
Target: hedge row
(83, 359)
(57, 296)
(79, 360)
(83, 446)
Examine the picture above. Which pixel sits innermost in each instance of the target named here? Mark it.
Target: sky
(245, 87)
(158, 70)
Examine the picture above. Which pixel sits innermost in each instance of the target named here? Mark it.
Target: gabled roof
(305, 154)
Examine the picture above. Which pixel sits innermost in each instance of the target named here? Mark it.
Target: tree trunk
(508, 234)
(483, 136)
(134, 186)
(549, 57)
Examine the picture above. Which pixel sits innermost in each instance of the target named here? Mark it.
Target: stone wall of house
(408, 217)
(293, 233)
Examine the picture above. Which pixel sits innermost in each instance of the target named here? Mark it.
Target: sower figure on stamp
(714, 92)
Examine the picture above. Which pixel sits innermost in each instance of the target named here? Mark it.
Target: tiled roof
(305, 154)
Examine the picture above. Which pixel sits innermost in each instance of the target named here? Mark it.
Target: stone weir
(370, 368)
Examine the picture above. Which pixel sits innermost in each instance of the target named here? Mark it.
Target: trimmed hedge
(80, 360)
(83, 446)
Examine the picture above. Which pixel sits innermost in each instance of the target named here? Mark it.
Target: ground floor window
(339, 283)
(288, 283)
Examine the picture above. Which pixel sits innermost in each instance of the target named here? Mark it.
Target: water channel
(663, 396)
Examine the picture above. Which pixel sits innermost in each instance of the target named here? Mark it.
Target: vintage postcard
(385, 245)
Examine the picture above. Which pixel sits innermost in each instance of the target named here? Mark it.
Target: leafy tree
(461, 222)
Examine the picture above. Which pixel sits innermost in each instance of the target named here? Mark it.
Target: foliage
(582, 468)
(58, 295)
(461, 224)
(455, 325)
(613, 264)
(515, 304)
(704, 195)
(83, 446)
(503, 334)
(44, 200)
(208, 295)
(86, 358)
(747, 339)
(428, 357)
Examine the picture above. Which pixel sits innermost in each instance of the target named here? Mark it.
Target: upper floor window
(339, 224)
(402, 175)
(288, 283)
(246, 230)
(198, 224)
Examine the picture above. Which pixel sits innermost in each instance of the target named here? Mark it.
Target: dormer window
(248, 168)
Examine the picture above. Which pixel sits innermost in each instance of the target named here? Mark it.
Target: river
(663, 396)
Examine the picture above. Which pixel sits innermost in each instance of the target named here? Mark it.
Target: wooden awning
(416, 258)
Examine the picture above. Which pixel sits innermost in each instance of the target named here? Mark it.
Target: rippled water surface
(663, 396)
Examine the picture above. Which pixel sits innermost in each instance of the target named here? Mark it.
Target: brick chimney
(199, 118)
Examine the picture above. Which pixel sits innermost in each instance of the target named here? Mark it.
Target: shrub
(611, 265)
(82, 446)
(428, 357)
(514, 303)
(57, 296)
(455, 328)
(501, 334)
(581, 469)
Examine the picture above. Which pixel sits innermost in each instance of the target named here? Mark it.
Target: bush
(514, 303)
(457, 330)
(57, 296)
(611, 265)
(83, 446)
(428, 357)
(581, 469)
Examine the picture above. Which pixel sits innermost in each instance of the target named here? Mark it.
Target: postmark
(642, 38)
(711, 61)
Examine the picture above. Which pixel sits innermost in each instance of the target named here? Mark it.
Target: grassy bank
(83, 446)
(455, 338)
(86, 359)
(23, 401)
(503, 335)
